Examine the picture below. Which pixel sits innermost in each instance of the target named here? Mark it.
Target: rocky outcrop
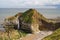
(31, 21)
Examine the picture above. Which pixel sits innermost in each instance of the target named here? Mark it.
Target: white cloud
(29, 3)
(41, 2)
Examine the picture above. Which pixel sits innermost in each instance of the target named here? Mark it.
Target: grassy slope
(27, 16)
(54, 36)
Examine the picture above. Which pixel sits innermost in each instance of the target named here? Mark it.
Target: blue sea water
(48, 13)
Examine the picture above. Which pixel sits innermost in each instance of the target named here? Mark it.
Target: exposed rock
(31, 21)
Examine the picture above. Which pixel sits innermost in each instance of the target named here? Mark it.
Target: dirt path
(37, 36)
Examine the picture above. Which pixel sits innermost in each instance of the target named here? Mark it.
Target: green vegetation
(54, 36)
(22, 33)
(27, 16)
(12, 33)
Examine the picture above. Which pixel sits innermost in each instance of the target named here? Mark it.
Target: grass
(27, 17)
(22, 33)
(14, 35)
(54, 36)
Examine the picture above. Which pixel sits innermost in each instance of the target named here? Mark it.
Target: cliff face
(35, 21)
(31, 21)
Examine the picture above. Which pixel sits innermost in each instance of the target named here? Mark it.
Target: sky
(54, 4)
(29, 3)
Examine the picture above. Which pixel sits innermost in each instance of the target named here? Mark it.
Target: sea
(6, 12)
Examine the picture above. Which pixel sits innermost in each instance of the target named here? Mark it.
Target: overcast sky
(29, 3)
